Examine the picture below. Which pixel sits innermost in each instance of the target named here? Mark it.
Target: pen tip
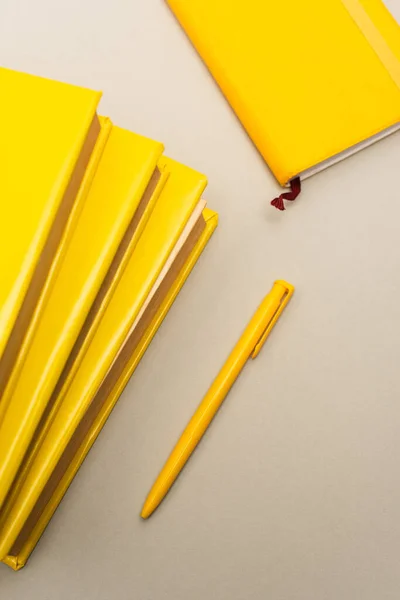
(146, 510)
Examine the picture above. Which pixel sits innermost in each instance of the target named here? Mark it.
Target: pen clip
(287, 293)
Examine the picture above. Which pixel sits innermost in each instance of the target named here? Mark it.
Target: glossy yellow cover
(18, 561)
(173, 209)
(44, 127)
(47, 291)
(308, 80)
(126, 167)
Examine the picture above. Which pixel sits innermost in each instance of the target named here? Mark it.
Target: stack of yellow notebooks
(98, 233)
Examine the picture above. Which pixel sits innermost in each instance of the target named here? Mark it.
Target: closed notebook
(48, 134)
(120, 201)
(177, 231)
(311, 81)
(86, 434)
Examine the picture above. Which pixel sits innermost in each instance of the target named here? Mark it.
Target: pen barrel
(253, 336)
(195, 430)
(227, 376)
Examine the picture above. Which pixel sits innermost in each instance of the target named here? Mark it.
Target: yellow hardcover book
(311, 81)
(87, 434)
(117, 208)
(49, 131)
(175, 227)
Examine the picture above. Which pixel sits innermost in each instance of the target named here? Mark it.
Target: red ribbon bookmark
(295, 189)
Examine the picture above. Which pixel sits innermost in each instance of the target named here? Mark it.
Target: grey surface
(294, 492)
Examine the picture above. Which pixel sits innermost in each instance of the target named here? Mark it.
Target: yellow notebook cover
(49, 130)
(32, 533)
(174, 210)
(23, 351)
(311, 81)
(108, 229)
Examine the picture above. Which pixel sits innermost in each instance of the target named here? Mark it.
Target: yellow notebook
(111, 222)
(48, 134)
(87, 435)
(311, 81)
(166, 251)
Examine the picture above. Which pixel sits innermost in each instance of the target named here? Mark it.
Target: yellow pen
(249, 345)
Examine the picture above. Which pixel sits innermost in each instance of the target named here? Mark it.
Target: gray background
(294, 492)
